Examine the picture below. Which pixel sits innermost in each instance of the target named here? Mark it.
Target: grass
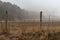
(30, 30)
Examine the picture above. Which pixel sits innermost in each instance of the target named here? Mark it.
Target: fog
(49, 7)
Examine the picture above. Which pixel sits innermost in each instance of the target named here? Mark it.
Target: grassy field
(30, 31)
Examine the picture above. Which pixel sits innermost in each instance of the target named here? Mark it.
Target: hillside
(15, 12)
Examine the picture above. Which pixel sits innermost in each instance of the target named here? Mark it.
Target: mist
(31, 8)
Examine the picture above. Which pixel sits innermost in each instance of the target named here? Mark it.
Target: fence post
(6, 27)
(40, 19)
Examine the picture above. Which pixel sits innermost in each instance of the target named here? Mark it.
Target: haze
(50, 7)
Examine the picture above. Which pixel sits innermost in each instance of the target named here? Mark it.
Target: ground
(29, 31)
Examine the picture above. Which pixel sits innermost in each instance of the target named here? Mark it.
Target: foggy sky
(47, 6)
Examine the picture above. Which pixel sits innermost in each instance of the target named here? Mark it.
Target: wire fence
(29, 30)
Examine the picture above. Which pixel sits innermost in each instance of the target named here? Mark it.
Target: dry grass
(28, 31)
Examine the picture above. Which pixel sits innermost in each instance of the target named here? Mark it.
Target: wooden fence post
(40, 19)
(6, 27)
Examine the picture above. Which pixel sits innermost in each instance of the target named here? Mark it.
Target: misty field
(30, 31)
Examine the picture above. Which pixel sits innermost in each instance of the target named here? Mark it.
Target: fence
(26, 27)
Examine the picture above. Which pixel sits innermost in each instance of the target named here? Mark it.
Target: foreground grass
(29, 31)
